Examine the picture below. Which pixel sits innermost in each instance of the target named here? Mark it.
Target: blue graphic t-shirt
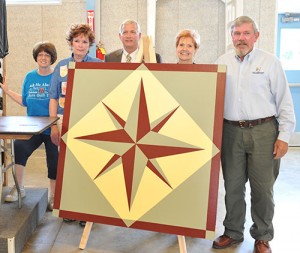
(35, 94)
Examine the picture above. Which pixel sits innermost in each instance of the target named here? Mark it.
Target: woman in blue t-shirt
(35, 98)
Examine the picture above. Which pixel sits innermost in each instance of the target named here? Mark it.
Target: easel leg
(85, 235)
(181, 242)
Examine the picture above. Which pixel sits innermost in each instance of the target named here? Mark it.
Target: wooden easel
(85, 235)
(146, 51)
(146, 54)
(87, 231)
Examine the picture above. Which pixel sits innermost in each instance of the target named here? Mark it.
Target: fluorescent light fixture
(35, 2)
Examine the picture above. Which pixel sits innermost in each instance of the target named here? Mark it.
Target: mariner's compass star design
(150, 150)
(137, 144)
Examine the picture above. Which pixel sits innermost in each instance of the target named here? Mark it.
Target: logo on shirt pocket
(63, 88)
(63, 71)
(258, 71)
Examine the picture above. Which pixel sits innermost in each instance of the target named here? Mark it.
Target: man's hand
(280, 149)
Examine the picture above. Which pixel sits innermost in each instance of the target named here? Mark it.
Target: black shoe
(68, 220)
(82, 223)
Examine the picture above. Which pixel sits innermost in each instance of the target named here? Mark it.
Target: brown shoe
(262, 247)
(225, 241)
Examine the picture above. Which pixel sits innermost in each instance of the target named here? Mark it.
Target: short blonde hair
(188, 33)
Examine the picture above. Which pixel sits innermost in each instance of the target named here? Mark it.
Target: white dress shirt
(257, 88)
(132, 55)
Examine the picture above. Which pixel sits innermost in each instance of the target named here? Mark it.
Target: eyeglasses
(44, 55)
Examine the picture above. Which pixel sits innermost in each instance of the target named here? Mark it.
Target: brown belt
(249, 123)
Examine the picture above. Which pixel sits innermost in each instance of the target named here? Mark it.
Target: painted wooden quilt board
(140, 146)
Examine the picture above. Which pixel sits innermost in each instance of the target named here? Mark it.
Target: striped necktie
(128, 58)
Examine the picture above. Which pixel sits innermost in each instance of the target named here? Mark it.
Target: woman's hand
(13, 95)
(55, 135)
(4, 85)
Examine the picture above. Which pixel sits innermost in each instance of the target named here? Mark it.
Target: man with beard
(258, 122)
(129, 34)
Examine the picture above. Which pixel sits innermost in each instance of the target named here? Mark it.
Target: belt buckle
(241, 123)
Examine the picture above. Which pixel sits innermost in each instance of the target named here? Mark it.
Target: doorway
(288, 51)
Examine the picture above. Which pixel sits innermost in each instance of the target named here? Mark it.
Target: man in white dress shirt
(258, 122)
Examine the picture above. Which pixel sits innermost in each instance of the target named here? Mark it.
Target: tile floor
(55, 236)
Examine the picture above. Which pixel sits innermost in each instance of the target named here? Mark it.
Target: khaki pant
(247, 154)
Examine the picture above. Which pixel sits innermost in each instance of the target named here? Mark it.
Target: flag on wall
(141, 146)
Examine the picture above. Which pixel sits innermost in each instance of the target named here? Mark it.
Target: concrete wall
(206, 16)
(264, 12)
(27, 25)
(30, 24)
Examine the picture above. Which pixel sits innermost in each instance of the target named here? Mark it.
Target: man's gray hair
(129, 22)
(242, 20)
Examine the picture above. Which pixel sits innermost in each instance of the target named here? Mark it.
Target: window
(289, 48)
(40, 2)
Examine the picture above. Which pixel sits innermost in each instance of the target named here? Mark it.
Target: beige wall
(30, 24)
(264, 12)
(206, 16)
(27, 25)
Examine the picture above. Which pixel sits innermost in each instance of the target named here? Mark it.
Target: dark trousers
(24, 149)
(247, 154)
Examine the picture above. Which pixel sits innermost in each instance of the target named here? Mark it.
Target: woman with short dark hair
(35, 98)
